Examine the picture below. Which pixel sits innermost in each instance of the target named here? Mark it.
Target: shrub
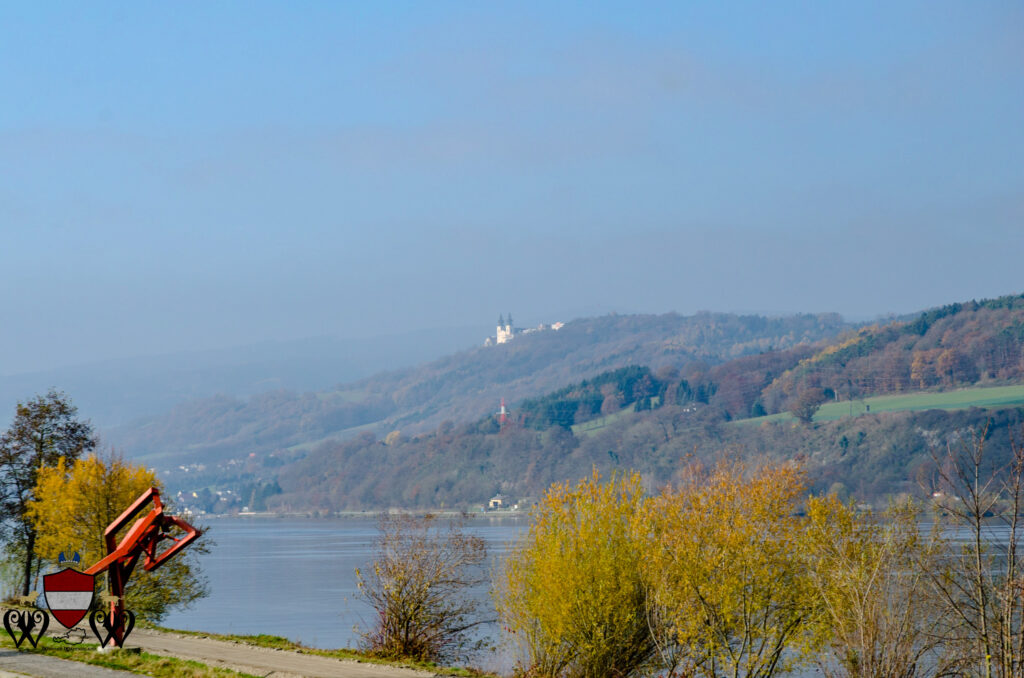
(420, 585)
(728, 573)
(572, 594)
(873, 575)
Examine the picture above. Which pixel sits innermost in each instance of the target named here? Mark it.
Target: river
(296, 578)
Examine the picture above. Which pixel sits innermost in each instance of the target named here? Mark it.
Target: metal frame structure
(141, 540)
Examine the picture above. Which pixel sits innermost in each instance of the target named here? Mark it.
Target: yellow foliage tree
(874, 577)
(734, 572)
(572, 594)
(73, 506)
(728, 573)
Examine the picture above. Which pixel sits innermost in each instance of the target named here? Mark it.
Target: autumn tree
(612, 399)
(72, 506)
(728, 573)
(982, 584)
(873, 575)
(45, 429)
(420, 587)
(807, 403)
(922, 369)
(572, 594)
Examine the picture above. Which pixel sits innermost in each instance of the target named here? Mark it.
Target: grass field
(594, 425)
(993, 397)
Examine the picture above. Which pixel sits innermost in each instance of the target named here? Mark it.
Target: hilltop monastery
(507, 332)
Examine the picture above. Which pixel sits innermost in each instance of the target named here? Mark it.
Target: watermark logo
(24, 621)
(69, 595)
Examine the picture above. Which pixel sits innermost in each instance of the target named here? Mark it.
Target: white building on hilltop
(506, 332)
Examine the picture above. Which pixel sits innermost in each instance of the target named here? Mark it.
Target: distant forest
(974, 343)
(868, 457)
(687, 402)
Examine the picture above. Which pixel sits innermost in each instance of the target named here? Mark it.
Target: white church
(506, 332)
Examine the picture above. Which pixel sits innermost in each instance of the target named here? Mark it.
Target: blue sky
(180, 176)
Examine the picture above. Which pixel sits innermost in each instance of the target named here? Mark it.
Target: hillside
(461, 387)
(650, 393)
(868, 457)
(986, 397)
(961, 344)
(976, 343)
(656, 420)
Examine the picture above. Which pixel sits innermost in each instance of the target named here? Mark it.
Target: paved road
(245, 658)
(259, 660)
(14, 663)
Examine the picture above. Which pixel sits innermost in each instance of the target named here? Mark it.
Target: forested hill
(974, 343)
(470, 384)
(960, 344)
(462, 387)
(655, 421)
(868, 457)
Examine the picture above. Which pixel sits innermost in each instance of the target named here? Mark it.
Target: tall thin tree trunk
(30, 549)
(981, 590)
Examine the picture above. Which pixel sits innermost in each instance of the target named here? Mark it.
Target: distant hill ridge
(656, 422)
(461, 387)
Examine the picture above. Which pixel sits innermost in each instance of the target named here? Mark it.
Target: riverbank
(363, 514)
(296, 578)
(161, 652)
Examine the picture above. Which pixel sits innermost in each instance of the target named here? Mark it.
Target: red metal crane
(142, 539)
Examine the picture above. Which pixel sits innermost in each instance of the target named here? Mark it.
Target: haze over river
(296, 578)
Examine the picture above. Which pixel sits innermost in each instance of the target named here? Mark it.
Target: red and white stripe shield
(68, 595)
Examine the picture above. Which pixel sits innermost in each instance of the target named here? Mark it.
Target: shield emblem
(68, 595)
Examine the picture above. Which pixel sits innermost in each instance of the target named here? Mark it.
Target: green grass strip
(142, 663)
(984, 397)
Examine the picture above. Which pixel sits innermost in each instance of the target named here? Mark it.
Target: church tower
(505, 330)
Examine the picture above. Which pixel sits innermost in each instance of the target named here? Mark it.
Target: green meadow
(991, 397)
(594, 425)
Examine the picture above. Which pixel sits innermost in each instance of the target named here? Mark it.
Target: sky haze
(187, 176)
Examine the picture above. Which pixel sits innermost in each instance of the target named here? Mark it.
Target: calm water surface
(295, 578)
